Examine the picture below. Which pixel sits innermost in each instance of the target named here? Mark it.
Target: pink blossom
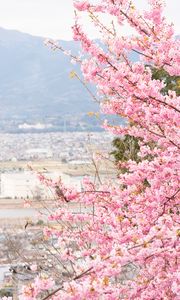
(81, 5)
(123, 239)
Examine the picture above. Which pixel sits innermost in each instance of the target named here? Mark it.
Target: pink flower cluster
(34, 290)
(124, 242)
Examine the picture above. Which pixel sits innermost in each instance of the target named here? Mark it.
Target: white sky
(54, 18)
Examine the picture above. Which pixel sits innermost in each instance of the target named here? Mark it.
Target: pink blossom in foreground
(124, 242)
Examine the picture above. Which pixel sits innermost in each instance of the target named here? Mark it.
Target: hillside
(34, 79)
(35, 84)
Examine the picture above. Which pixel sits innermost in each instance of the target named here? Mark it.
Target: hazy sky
(54, 18)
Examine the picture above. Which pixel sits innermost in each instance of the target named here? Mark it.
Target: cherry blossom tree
(123, 244)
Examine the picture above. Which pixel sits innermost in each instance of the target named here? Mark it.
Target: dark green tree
(171, 82)
(126, 148)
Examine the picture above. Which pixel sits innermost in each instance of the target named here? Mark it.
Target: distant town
(63, 146)
(37, 123)
(24, 200)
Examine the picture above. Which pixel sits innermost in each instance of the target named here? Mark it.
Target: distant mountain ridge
(34, 79)
(35, 82)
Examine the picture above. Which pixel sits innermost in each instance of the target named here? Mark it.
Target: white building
(18, 185)
(27, 185)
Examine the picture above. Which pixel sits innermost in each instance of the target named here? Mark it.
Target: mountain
(35, 84)
(35, 79)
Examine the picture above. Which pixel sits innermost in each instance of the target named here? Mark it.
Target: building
(26, 185)
(19, 185)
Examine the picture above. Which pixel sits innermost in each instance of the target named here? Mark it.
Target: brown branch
(60, 288)
(165, 203)
(86, 87)
(54, 47)
(166, 104)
